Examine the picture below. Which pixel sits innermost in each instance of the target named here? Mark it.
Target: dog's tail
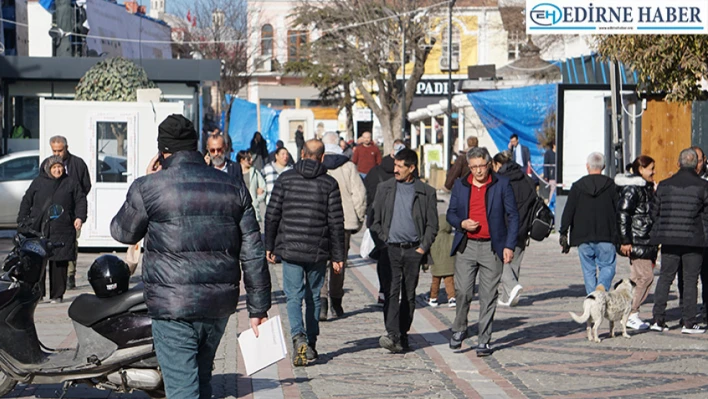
(586, 311)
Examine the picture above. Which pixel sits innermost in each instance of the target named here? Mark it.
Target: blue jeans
(303, 282)
(594, 256)
(185, 350)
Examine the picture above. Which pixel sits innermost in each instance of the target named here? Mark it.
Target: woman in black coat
(524, 189)
(259, 151)
(54, 187)
(636, 194)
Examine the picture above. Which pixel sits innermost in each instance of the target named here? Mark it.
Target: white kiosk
(116, 140)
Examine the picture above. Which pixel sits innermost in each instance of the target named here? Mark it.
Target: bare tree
(220, 31)
(364, 39)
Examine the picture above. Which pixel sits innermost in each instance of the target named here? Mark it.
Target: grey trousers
(477, 257)
(510, 275)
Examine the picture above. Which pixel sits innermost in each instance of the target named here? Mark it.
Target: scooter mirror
(55, 211)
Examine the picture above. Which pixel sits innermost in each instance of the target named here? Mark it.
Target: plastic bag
(367, 245)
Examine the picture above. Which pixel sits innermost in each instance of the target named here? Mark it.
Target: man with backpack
(524, 189)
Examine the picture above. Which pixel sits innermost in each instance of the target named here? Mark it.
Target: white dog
(615, 306)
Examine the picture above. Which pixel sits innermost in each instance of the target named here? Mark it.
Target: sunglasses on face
(216, 150)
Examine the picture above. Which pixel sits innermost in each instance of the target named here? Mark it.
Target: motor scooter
(115, 346)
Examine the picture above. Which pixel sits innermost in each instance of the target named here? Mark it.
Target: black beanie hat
(176, 133)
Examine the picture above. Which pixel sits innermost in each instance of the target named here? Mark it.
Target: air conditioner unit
(264, 64)
(455, 66)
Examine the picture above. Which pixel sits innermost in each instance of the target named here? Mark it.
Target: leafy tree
(671, 64)
(361, 45)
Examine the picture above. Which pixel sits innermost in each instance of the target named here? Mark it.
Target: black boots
(337, 307)
(71, 282)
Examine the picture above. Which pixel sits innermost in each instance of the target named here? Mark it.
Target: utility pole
(449, 71)
(616, 101)
(403, 86)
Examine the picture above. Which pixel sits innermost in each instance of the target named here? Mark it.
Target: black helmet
(109, 276)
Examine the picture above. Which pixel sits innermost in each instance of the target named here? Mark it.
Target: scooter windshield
(35, 247)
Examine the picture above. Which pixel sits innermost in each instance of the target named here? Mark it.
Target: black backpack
(541, 220)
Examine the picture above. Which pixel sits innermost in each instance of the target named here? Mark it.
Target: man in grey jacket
(190, 268)
(405, 217)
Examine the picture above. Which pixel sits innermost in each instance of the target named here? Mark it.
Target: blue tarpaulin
(244, 123)
(521, 111)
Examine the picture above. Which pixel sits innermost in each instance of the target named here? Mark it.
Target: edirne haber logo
(617, 17)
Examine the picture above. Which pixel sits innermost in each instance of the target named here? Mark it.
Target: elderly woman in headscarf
(54, 187)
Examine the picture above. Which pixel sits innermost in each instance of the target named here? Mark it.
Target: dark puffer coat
(591, 211)
(198, 223)
(634, 215)
(679, 211)
(304, 221)
(524, 189)
(45, 191)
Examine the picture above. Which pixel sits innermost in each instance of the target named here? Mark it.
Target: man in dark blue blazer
(483, 212)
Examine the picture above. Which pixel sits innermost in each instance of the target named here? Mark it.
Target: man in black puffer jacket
(304, 225)
(198, 223)
(681, 228)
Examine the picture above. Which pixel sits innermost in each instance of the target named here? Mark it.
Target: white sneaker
(657, 327)
(451, 303)
(515, 295)
(433, 303)
(635, 323)
(695, 329)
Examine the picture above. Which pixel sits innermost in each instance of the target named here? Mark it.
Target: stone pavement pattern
(540, 351)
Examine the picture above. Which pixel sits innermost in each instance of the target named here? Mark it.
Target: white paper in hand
(268, 348)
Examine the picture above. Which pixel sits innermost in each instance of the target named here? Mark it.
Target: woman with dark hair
(524, 189)
(259, 151)
(54, 187)
(636, 194)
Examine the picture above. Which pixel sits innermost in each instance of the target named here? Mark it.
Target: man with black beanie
(191, 269)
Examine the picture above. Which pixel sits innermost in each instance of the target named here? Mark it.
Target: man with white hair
(353, 194)
(591, 216)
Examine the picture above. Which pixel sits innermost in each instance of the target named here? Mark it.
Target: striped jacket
(271, 175)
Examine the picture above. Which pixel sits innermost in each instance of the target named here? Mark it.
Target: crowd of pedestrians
(200, 217)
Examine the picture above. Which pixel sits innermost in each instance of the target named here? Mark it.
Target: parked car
(17, 170)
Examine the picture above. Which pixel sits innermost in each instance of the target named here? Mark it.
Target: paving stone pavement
(539, 350)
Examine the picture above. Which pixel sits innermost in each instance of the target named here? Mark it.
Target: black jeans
(691, 260)
(405, 265)
(57, 279)
(704, 283)
(383, 270)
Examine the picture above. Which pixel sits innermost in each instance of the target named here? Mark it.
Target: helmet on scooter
(109, 276)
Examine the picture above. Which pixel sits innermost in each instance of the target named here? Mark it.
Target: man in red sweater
(366, 155)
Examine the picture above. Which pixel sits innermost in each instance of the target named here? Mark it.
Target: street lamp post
(449, 71)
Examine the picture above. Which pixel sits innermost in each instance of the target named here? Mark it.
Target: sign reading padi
(604, 17)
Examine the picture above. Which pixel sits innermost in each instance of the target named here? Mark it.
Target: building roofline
(73, 68)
